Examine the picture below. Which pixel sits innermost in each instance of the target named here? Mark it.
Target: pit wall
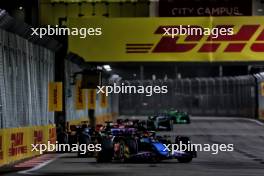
(15, 143)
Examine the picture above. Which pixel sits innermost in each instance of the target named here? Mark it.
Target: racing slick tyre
(121, 151)
(106, 154)
(132, 145)
(171, 126)
(185, 140)
(182, 139)
(188, 120)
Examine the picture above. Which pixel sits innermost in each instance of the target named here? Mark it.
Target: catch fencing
(25, 71)
(221, 96)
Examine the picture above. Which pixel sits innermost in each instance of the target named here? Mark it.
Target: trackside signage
(55, 96)
(146, 40)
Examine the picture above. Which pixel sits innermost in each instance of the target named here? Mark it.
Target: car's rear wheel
(171, 125)
(120, 150)
(132, 145)
(106, 154)
(184, 140)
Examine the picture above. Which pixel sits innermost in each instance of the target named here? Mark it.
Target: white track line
(256, 121)
(31, 170)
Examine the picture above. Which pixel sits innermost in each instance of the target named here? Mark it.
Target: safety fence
(25, 71)
(260, 90)
(222, 96)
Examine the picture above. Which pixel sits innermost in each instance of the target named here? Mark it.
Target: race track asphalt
(247, 159)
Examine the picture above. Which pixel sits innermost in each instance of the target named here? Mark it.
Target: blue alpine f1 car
(130, 145)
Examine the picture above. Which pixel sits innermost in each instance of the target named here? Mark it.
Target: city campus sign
(168, 8)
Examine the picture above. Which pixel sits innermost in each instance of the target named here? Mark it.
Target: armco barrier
(15, 143)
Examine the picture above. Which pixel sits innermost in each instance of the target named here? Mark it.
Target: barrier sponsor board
(80, 96)
(262, 88)
(91, 98)
(15, 143)
(2, 147)
(143, 39)
(103, 100)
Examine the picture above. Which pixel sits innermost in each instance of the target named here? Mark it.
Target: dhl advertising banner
(260, 100)
(2, 147)
(91, 98)
(103, 100)
(262, 88)
(149, 39)
(16, 143)
(55, 96)
(80, 96)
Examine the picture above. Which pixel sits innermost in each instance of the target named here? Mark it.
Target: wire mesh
(25, 72)
(221, 96)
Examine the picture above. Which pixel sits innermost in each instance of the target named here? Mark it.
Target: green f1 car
(178, 117)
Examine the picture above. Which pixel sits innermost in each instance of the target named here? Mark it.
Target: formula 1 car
(178, 117)
(125, 145)
(82, 135)
(160, 122)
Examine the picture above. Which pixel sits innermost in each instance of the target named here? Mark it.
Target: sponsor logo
(52, 135)
(244, 37)
(1, 148)
(17, 144)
